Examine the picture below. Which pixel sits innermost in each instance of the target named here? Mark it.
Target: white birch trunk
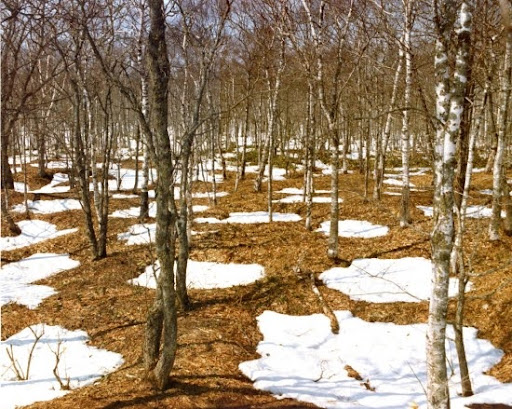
(405, 217)
(498, 171)
(449, 96)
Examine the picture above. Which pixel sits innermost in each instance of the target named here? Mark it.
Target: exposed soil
(220, 330)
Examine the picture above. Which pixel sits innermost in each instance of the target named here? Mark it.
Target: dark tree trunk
(7, 179)
(161, 326)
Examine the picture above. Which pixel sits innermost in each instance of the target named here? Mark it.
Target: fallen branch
(335, 325)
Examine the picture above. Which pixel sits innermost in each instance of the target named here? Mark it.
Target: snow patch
(251, 217)
(15, 278)
(32, 231)
(474, 212)
(301, 359)
(207, 275)
(48, 206)
(80, 363)
(355, 228)
(385, 280)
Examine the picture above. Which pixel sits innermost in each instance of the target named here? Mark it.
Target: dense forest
(157, 111)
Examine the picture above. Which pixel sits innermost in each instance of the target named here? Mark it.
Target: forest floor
(220, 330)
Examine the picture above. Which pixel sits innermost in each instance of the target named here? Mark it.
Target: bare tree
(505, 90)
(450, 91)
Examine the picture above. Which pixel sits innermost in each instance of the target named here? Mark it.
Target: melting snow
(48, 206)
(80, 363)
(355, 228)
(385, 280)
(251, 217)
(474, 212)
(133, 212)
(15, 278)
(140, 234)
(52, 187)
(207, 275)
(299, 199)
(301, 359)
(32, 231)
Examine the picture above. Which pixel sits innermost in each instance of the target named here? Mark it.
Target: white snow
(127, 178)
(489, 192)
(48, 206)
(395, 182)
(124, 196)
(56, 164)
(139, 234)
(32, 231)
(52, 187)
(278, 174)
(474, 212)
(80, 363)
(355, 228)
(134, 212)
(207, 275)
(20, 187)
(299, 199)
(251, 217)
(385, 280)
(301, 359)
(202, 195)
(15, 278)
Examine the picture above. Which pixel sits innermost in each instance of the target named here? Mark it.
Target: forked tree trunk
(449, 101)
(161, 326)
(457, 255)
(380, 161)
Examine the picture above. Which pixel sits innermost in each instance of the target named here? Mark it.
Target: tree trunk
(161, 326)
(332, 251)
(498, 168)
(405, 216)
(380, 160)
(7, 180)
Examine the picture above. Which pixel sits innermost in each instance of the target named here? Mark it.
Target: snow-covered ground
(133, 212)
(140, 234)
(301, 359)
(395, 182)
(55, 164)
(52, 187)
(355, 228)
(15, 278)
(80, 363)
(20, 187)
(299, 199)
(124, 196)
(489, 192)
(32, 231)
(127, 177)
(251, 217)
(207, 275)
(278, 174)
(297, 191)
(385, 280)
(474, 212)
(48, 206)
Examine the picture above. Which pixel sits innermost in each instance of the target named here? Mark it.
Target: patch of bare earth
(220, 330)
